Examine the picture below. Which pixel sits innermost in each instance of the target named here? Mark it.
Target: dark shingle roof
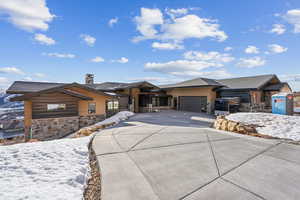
(111, 86)
(25, 86)
(276, 87)
(251, 82)
(197, 82)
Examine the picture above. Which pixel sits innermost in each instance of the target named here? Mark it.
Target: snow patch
(281, 126)
(56, 169)
(120, 116)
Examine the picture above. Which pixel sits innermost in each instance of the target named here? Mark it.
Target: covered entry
(192, 103)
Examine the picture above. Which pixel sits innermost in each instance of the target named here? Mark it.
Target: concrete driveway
(170, 156)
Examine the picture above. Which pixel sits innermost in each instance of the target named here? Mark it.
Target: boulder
(232, 126)
(224, 125)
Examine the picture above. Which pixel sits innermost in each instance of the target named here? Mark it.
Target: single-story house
(254, 91)
(55, 109)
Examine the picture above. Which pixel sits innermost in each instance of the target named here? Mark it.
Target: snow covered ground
(281, 126)
(55, 169)
(120, 116)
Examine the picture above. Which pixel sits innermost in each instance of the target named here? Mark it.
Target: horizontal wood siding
(39, 105)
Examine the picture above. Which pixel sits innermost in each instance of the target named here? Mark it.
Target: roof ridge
(248, 76)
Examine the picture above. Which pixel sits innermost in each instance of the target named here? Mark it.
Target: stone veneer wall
(53, 128)
(90, 120)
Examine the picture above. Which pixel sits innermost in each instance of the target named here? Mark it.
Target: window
(92, 108)
(113, 105)
(55, 107)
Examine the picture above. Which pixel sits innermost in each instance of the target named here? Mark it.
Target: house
(53, 110)
(196, 95)
(254, 91)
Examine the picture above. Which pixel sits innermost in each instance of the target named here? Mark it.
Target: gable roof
(112, 86)
(61, 88)
(64, 91)
(22, 87)
(197, 82)
(250, 82)
(277, 87)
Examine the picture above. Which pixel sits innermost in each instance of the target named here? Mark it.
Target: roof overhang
(63, 91)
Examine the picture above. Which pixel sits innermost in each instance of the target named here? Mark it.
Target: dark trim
(196, 86)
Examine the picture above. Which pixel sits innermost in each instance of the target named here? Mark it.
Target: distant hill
(5, 103)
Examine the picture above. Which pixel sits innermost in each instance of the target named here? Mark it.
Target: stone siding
(53, 128)
(90, 120)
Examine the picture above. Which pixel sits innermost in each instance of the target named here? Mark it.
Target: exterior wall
(89, 120)
(39, 105)
(53, 128)
(208, 92)
(135, 95)
(286, 89)
(99, 99)
(27, 118)
(256, 97)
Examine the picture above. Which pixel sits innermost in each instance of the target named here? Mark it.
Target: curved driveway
(174, 155)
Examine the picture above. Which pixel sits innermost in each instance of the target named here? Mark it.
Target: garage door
(193, 104)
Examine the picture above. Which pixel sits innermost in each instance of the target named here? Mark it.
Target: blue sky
(159, 41)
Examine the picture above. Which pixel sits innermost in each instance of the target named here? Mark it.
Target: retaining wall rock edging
(221, 123)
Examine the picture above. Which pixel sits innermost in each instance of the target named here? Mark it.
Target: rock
(224, 125)
(232, 126)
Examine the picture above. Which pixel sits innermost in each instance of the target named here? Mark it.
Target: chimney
(89, 79)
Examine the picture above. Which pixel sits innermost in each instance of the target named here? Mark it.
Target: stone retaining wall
(224, 124)
(90, 120)
(53, 128)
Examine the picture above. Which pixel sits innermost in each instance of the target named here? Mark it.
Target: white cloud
(179, 66)
(275, 48)
(176, 29)
(27, 78)
(192, 26)
(212, 56)
(252, 50)
(278, 29)
(176, 12)
(4, 82)
(146, 23)
(292, 79)
(216, 74)
(11, 70)
(59, 55)
(113, 21)
(97, 59)
(89, 40)
(228, 48)
(166, 46)
(251, 62)
(293, 17)
(28, 15)
(43, 39)
(39, 75)
(158, 80)
(121, 60)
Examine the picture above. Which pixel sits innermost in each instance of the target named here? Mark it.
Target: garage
(192, 103)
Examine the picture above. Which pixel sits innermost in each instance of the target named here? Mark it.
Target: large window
(92, 108)
(112, 105)
(56, 107)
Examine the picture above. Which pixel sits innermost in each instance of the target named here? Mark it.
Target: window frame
(89, 108)
(59, 107)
